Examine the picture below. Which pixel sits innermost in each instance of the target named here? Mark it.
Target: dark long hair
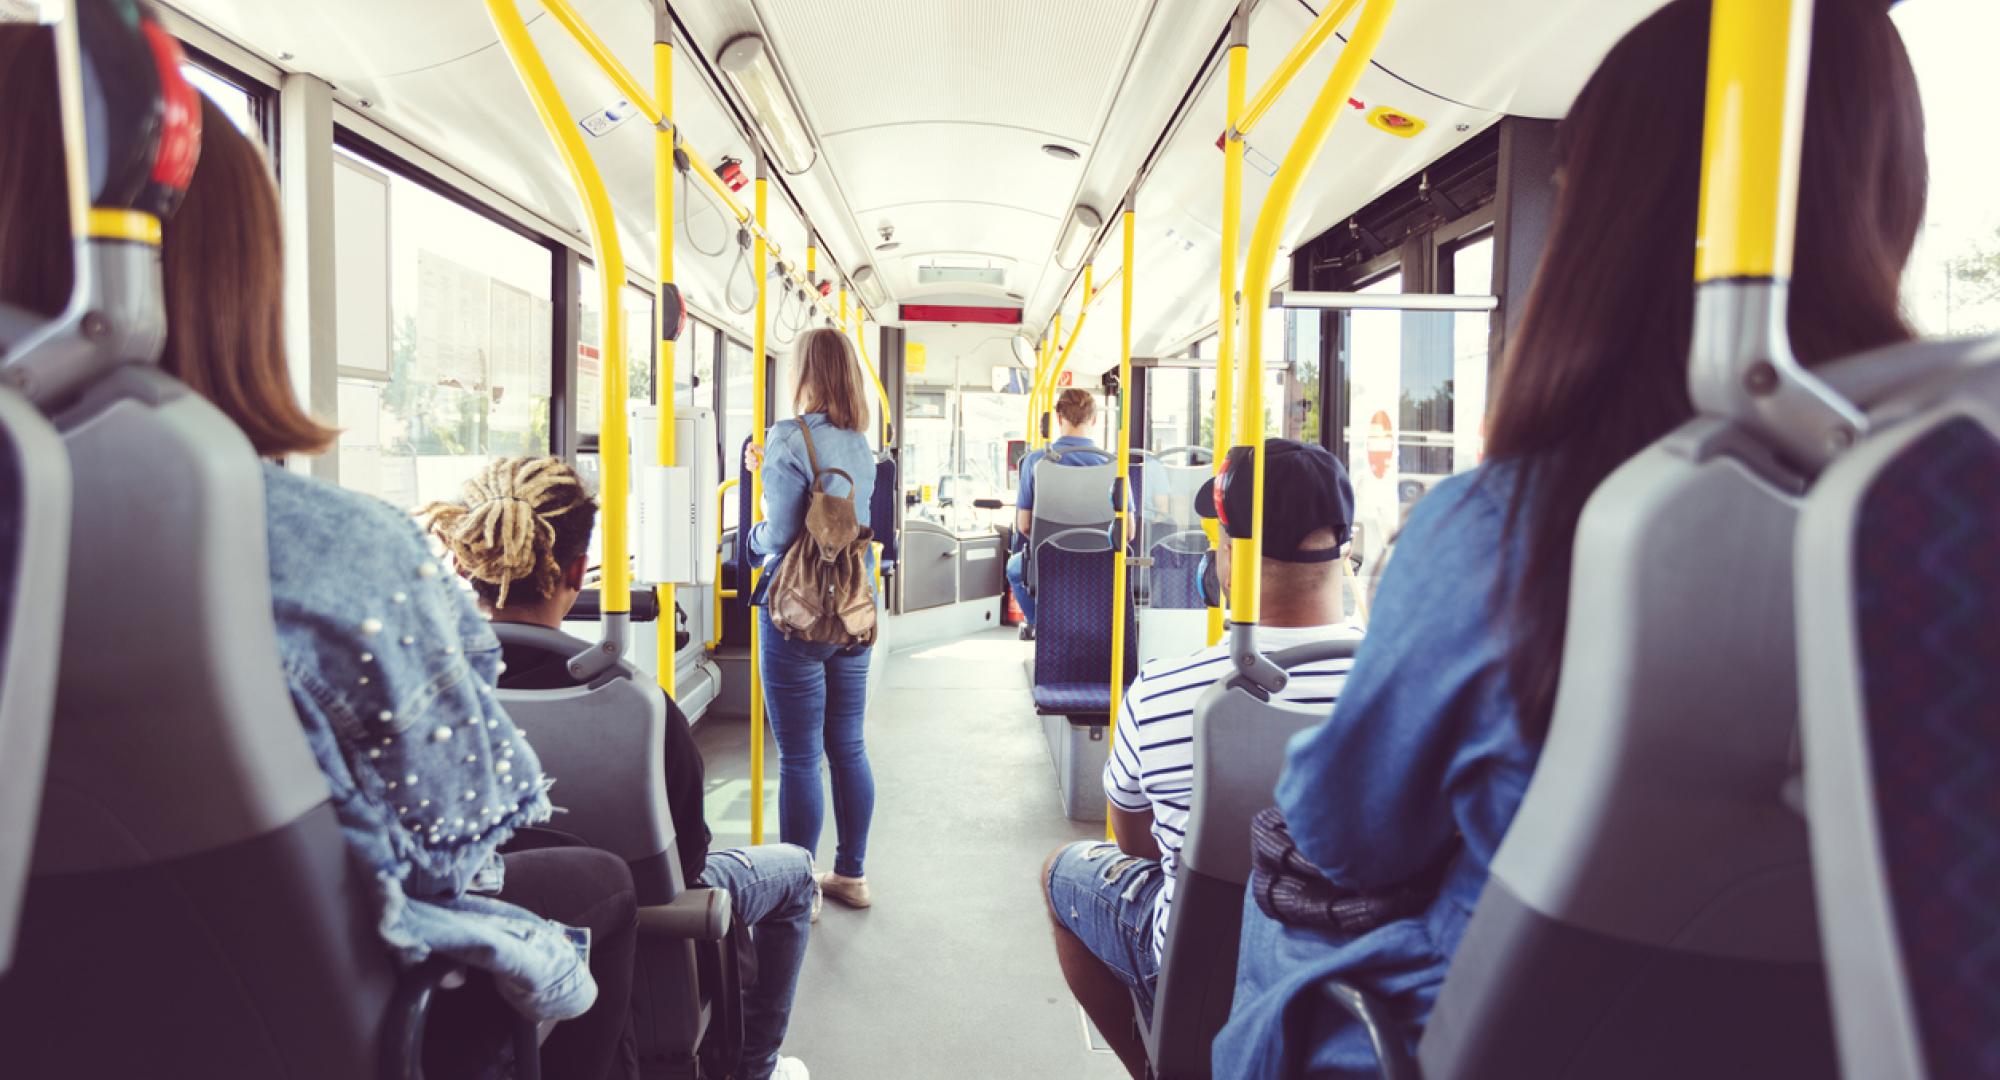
(830, 380)
(1597, 369)
(35, 257)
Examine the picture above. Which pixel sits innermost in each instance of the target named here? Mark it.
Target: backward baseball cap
(1305, 490)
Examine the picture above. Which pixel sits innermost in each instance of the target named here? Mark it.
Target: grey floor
(951, 973)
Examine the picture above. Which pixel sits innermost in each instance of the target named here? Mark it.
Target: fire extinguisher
(731, 172)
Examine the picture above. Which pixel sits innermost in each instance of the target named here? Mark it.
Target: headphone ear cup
(1211, 581)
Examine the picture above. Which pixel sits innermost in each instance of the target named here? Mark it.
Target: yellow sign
(914, 359)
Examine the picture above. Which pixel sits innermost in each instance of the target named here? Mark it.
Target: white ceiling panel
(887, 167)
(1047, 66)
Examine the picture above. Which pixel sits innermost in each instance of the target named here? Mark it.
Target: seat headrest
(142, 119)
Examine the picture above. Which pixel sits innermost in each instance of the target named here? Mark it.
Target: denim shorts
(1105, 897)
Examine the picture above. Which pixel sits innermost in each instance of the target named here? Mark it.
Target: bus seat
(1176, 572)
(1899, 672)
(885, 509)
(1066, 497)
(604, 743)
(1239, 750)
(1073, 623)
(34, 561)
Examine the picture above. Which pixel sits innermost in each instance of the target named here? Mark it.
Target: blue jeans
(817, 696)
(770, 891)
(1105, 897)
(1017, 565)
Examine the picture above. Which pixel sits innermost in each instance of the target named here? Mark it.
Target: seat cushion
(1069, 698)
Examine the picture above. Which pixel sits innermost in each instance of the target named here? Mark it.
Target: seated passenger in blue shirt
(1076, 411)
(522, 536)
(1111, 902)
(1425, 760)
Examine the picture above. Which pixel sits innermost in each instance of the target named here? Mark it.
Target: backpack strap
(819, 474)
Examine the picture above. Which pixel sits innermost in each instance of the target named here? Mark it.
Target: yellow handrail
(1232, 229)
(1750, 156)
(1119, 534)
(1295, 61)
(758, 422)
(722, 491)
(1246, 561)
(666, 663)
(1062, 360)
(614, 440)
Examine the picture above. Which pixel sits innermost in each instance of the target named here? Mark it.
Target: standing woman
(817, 694)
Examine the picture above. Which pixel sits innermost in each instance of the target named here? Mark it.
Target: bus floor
(952, 972)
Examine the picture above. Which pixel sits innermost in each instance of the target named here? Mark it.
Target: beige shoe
(852, 891)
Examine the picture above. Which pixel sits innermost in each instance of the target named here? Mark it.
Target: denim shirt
(1423, 751)
(788, 479)
(392, 668)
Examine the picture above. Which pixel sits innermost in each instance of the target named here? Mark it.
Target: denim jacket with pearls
(392, 670)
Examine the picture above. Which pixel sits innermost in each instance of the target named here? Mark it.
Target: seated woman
(1429, 752)
(391, 668)
(522, 537)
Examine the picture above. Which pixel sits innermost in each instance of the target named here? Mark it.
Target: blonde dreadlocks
(521, 521)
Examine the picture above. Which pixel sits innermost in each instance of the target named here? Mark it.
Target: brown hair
(522, 522)
(225, 289)
(1598, 367)
(1076, 407)
(36, 269)
(830, 380)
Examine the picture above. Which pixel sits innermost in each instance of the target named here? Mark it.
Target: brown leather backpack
(822, 590)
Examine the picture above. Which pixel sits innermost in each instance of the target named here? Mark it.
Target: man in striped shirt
(1111, 901)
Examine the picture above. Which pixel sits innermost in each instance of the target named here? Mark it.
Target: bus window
(1170, 408)
(988, 423)
(236, 102)
(470, 355)
(737, 376)
(638, 305)
(1952, 285)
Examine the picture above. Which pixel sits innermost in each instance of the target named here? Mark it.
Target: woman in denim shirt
(1431, 748)
(392, 668)
(818, 694)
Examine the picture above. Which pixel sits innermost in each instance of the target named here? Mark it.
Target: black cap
(1305, 490)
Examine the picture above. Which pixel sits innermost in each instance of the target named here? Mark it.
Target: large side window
(638, 307)
(238, 100)
(737, 379)
(1953, 284)
(453, 367)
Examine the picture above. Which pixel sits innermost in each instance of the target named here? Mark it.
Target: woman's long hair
(830, 380)
(1597, 369)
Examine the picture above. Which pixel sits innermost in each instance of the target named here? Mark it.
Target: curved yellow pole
(722, 491)
(667, 664)
(1232, 243)
(614, 441)
(1061, 364)
(620, 75)
(1245, 558)
(759, 391)
(1755, 126)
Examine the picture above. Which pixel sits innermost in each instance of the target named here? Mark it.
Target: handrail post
(1062, 360)
(722, 491)
(759, 422)
(1232, 249)
(614, 439)
(1743, 367)
(1293, 62)
(1121, 512)
(1246, 556)
(665, 630)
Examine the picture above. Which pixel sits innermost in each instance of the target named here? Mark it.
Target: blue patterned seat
(1900, 579)
(1073, 625)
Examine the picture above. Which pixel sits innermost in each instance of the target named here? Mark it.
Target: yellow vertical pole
(1047, 401)
(1246, 560)
(758, 423)
(1232, 229)
(663, 214)
(1123, 509)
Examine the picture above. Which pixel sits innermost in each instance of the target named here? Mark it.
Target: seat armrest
(1385, 1034)
(409, 1009)
(695, 915)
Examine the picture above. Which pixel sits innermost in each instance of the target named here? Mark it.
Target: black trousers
(575, 886)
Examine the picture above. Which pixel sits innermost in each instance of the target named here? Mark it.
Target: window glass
(1953, 283)
(1472, 275)
(235, 101)
(988, 423)
(736, 416)
(694, 366)
(1170, 419)
(638, 307)
(930, 452)
(470, 352)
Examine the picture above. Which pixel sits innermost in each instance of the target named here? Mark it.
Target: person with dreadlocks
(521, 536)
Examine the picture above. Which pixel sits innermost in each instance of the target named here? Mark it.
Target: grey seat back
(1067, 497)
(34, 560)
(1899, 669)
(1239, 751)
(1652, 900)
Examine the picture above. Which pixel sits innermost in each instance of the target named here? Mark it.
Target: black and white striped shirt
(1152, 749)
